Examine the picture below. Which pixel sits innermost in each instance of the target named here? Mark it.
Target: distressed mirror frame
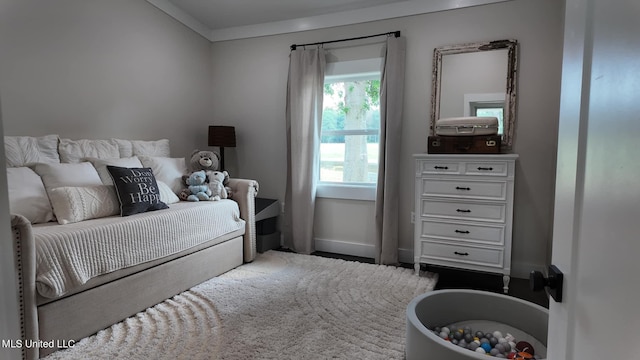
(510, 88)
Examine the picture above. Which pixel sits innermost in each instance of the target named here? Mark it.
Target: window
(350, 130)
(486, 105)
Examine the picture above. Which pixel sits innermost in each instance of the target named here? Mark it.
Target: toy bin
(478, 310)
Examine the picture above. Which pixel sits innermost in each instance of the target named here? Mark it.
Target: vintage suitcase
(467, 126)
(464, 144)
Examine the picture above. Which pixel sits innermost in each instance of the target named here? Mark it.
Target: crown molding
(374, 13)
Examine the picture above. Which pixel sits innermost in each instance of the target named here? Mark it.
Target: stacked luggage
(465, 135)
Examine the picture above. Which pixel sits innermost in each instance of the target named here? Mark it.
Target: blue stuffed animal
(197, 186)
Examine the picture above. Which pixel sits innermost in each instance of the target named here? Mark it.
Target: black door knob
(538, 282)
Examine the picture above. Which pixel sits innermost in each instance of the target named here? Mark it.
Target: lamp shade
(223, 136)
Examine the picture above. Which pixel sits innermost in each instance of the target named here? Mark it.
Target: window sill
(344, 191)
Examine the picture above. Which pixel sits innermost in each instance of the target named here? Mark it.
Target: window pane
(347, 153)
(354, 160)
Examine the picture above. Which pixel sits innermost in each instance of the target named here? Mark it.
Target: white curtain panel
(303, 115)
(387, 192)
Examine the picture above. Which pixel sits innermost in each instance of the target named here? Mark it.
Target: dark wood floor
(458, 279)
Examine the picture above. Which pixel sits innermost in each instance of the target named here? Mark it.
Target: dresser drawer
(490, 190)
(438, 167)
(464, 231)
(486, 168)
(462, 254)
(464, 210)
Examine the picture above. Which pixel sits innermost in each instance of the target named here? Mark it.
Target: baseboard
(519, 271)
(345, 248)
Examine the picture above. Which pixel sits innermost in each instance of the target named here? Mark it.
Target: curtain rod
(395, 33)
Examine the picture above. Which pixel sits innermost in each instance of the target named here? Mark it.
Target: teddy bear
(197, 187)
(204, 160)
(216, 184)
(208, 161)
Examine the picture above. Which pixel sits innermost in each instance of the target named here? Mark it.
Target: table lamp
(222, 136)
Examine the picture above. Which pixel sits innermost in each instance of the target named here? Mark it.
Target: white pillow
(27, 195)
(159, 148)
(167, 195)
(27, 150)
(101, 166)
(76, 203)
(74, 151)
(60, 175)
(128, 148)
(167, 170)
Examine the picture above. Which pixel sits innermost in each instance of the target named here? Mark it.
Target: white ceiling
(219, 20)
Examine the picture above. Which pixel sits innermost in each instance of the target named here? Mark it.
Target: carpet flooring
(281, 306)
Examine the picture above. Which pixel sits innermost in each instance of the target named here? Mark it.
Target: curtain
(303, 119)
(387, 192)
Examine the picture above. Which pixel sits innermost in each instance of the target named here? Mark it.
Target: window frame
(342, 71)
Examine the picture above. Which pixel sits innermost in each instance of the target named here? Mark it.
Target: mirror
(476, 79)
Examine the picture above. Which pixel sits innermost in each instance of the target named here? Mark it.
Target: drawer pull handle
(463, 210)
(485, 168)
(461, 254)
(462, 231)
(463, 188)
(441, 167)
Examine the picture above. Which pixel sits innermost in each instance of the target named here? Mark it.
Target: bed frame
(79, 315)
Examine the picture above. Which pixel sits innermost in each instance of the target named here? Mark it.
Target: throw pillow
(167, 195)
(27, 195)
(77, 203)
(28, 150)
(101, 166)
(137, 190)
(169, 170)
(74, 151)
(76, 174)
(128, 148)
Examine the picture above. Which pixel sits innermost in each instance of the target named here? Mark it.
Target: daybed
(90, 267)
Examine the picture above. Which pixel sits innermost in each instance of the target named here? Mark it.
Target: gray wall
(250, 76)
(101, 69)
(122, 68)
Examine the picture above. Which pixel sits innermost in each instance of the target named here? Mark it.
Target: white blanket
(69, 255)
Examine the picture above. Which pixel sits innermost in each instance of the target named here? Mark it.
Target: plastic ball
(446, 330)
(438, 329)
(486, 347)
(501, 348)
(443, 335)
(484, 341)
(497, 334)
(479, 334)
(493, 341)
(494, 352)
(480, 350)
(454, 341)
(468, 338)
(472, 346)
(502, 340)
(458, 335)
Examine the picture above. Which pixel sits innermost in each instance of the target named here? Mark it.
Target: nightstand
(267, 235)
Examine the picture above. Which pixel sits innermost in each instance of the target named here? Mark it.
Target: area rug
(281, 306)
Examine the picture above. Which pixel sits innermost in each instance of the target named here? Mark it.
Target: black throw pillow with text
(137, 190)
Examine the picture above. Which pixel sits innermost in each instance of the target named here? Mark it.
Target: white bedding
(69, 255)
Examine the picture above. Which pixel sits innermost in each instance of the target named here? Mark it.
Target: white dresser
(464, 212)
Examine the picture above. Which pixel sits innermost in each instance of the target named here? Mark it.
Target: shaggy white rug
(281, 306)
